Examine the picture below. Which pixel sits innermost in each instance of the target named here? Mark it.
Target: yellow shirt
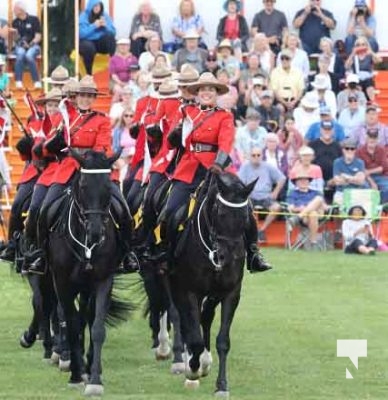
(283, 82)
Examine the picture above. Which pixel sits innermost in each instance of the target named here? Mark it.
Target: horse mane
(95, 160)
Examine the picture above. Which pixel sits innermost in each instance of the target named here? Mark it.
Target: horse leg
(228, 307)
(64, 354)
(103, 294)
(163, 351)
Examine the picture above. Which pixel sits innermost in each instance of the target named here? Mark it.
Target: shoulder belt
(77, 127)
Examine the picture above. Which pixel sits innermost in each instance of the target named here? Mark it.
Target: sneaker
(261, 236)
(19, 85)
(38, 85)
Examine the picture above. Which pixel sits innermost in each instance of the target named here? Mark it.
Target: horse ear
(74, 153)
(248, 188)
(115, 156)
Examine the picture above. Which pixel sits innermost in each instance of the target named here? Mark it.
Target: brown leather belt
(199, 147)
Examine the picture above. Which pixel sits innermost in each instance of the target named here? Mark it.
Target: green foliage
(283, 338)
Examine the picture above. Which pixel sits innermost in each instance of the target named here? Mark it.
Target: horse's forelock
(95, 160)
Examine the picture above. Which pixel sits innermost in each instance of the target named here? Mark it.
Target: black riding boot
(9, 252)
(34, 261)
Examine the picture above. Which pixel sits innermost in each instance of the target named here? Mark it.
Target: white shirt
(304, 119)
(300, 61)
(330, 101)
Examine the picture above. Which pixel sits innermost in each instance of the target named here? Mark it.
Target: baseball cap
(328, 125)
(372, 132)
(349, 143)
(324, 110)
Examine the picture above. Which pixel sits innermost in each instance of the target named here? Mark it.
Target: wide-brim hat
(301, 176)
(54, 94)
(123, 41)
(320, 82)
(87, 85)
(188, 75)
(225, 43)
(159, 74)
(59, 76)
(352, 78)
(309, 100)
(208, 79)
(71, 86)
(191, 34)
(351, 209)
(238, 4)
(168, 89)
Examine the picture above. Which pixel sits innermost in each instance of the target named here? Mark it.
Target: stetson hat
(54, 94)
(208, 79)
(226, 43)
(168, 89)
(87, 85)
(71, 86)
(59, 76)
(188, 75)
(158, 74)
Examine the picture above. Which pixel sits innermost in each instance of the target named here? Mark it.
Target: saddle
(56, 215)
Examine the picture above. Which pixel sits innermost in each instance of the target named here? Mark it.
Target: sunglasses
(353, 100)
(349, 148)
(283, 58)
(88, 95)
(211, 59)
(128, 115)
(255, 155)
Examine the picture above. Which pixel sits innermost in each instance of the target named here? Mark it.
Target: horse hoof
(54, 358)
(94, 390)
(64, 365)
(178, 368)
(191, 384)
(162, 355)
(221, 394)
(206, 361)
(191, 375)
(25, 341)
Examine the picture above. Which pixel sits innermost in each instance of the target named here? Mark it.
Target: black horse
(209, 271)
(84, 254)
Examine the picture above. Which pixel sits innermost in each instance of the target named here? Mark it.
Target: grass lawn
(283, 338)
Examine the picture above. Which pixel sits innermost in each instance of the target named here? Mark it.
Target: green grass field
(283, 338)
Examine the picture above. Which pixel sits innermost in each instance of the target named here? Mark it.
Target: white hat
(191, 34)
(306, 151)
(352, 78)
(258, 80)
(309, 100)
(123, 41)
(320, 82)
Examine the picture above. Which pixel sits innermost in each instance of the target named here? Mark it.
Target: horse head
(92, 191)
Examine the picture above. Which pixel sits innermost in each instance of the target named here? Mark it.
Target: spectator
(361, 23)
(141, 86)
(348, 170)
(27, 47)
(191, 53)
(153, 48)
(351, 88)
(145, 24)
(357, 233)
(227, 61)
(352, 116)
(371, 124)
(260, 46)
(290, 140)
(273, 154)
(361, 61)
(234, 27)
(287, 83)
(323, 70)
(315, 130)
(269, 114)
(304, 166)
(272, 23)
(299, 58)
(186, 21)
(4, 77)
(127, 101)
(5, 170)
(254, 90)
(120, 67)
(336, 65)
(211, 63)
(376, 164)
(4, 31)
(250, 135)
(314, 23)
(267, 189)
(307, 113)
(96, 33)
(325, 97)
(228, 101)
(308, 206)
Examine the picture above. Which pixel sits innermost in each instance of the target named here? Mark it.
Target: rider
(207, 144)
(87, 130)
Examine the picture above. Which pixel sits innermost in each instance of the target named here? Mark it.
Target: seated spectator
(211, 63)
(267, 189)
(273, 154)
(299, 58)
(187, 20)
(27, 47)
(127, 101)
(255, 88)
(371, 124)
(348, 170)
(234, 27)
(145, 24)
(269, 114)
(96, 33)
(352, 116)
(361, 61)
(153, 48)
(308, 206)
(325, 97)
(290, 140)
(4, 77)
(287, 83)
(314, 23)
(228, 101)
(351, 88)
(190, 53)
(304, 167)
(327, 122)
(120, 67)
(4, 31)
(5, 170)
(376, 164)
(307, 113)
(141, 86)
(336, 67)
(250, 135)
(272, 23)
(260, 47)
(361, 22)
(323, 70)
(357, 232)
(227, 61)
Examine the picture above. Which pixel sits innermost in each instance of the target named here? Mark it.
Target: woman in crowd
(273, 153)
(96, 33)
(153, 48)
(228, 61)
(145, 24)
(290, 140)
(336, 65)
(141, 86)
(260, 46)
(127, 101)
(307, 113)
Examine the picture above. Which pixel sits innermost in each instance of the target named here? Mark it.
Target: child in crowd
(357, 233)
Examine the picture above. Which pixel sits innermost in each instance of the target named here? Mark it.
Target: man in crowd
(352, 88)
(269, 114)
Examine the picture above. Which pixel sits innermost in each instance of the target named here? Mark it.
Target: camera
(360, 11)
(314, 8)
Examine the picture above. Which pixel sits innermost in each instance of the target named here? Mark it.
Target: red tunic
(216, 130)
